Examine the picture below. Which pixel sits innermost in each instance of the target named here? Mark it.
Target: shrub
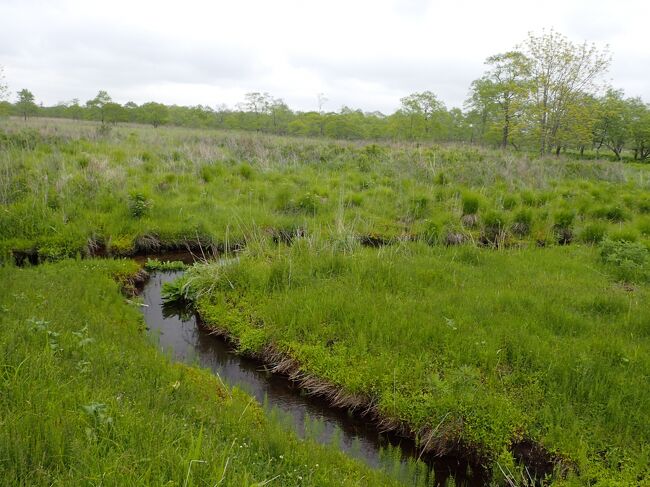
(627, 259)
(120, 245)
(139, 205)
(308, 202)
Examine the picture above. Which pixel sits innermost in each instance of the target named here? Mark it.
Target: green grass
(86, 399)
(67, 190)
(488, 347)
(507, 300)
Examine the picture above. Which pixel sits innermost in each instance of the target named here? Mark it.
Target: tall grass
(85, 399)
(457, 326)
(538, 344)
(67, 190)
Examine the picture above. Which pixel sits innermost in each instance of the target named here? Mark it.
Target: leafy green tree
(131, 112)
(155, 114)
(259, 105)
(97, 105)
(348, 124)
(460, 126)
(114, 113)
(502, 93)
(322, 100)
(25, 103)
(74, 110)
(640, 129)
(280, 115)
(5, 106)
(423, 111)
(579, 124)
(560, 73)
(613, 126)
(4, 89)
(307, 124)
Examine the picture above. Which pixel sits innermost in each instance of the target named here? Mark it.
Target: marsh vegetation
(485, 303)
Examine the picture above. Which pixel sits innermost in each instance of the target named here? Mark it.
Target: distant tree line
(546, 95)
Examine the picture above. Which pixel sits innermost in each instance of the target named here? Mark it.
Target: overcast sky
(363, 54)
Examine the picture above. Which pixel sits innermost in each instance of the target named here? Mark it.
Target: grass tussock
(68, 191)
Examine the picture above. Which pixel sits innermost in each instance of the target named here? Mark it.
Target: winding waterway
(180, 335)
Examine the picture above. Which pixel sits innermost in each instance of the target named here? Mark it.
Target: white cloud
(361, 53)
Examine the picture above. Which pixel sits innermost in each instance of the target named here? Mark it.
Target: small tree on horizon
(424, 111)
(25, 103)
(153, 113)
(98, 104)
(5, 106)
(4, 89)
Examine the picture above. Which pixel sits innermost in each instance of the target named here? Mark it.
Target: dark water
(310, 416)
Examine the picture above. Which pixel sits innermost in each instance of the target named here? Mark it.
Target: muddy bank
(436, 446)
(188, 250)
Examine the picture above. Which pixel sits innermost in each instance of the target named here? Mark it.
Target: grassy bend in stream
(479, 351)
(86, 400)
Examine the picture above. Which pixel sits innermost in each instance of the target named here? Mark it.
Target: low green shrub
(139, 204)
(628, 260)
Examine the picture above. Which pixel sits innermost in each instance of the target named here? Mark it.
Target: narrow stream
(181, 337)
